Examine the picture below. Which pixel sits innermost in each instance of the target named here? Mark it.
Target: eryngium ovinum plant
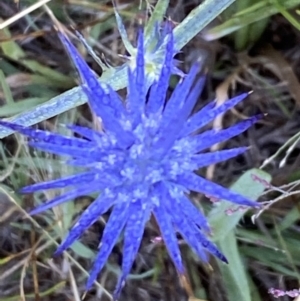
(143, 160)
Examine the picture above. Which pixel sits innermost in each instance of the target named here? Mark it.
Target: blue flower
(143, 162)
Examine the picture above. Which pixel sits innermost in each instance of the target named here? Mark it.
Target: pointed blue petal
(190, 125)
(202, 160)
(180, 94)
(132, 99)
(86, 190)
(118, 102)
(99, 98)
(180, 221)
(159, 89)
(211, 137)
(209, 246)
(136, 84)
(193, 182)
(86, 220)
(140, 74)
(187, 231)
(203, 111)
(193, 213)
(164, 222)
(202, 118)
(87, 162)
(187, 228)
(98, 95)
(139, 215)
(81, 178)
(112, 231)
(46, 136)
(106, 164)
(86, 132)
(72, 151)
(165, 142)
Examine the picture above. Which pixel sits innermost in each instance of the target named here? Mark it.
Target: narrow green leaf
(157, 16)
(82, 250)
(6, 90)
(123, 33)
(223, 224)
(234, 274)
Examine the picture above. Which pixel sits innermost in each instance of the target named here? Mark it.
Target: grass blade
(157, 16)
(234, 274)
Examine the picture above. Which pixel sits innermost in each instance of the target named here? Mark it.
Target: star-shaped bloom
(143, 162)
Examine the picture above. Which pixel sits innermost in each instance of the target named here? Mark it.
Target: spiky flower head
(143, 162)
